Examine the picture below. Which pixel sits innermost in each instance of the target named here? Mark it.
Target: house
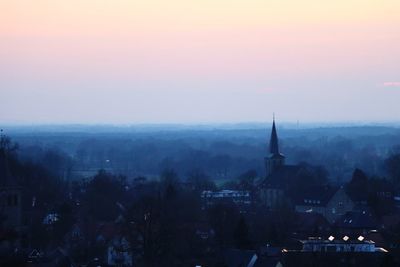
(309, 223)
(10, 196)
(356, 222)
(330, 202)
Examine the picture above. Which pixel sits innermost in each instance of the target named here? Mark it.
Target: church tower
(275, 159)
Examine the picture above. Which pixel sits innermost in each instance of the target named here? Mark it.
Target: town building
(340, 245)
(272, 188)
(330, 202)
(278, 189)
(240, 198)
(10, 197)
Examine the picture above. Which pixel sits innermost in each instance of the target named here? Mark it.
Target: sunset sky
(199, 61)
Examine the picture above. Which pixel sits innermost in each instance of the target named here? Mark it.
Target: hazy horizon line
(283, 123)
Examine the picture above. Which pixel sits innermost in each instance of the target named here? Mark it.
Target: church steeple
(275, 159)
(273, 142)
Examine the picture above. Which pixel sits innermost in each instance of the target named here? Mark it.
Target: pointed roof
(273, 143)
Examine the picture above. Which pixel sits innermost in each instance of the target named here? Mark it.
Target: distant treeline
(221, 153)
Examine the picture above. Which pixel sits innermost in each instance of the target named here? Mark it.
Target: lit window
(345, 238)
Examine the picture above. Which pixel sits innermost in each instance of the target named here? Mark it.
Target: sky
(192, 61)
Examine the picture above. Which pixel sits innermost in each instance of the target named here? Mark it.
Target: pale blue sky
(195, 62)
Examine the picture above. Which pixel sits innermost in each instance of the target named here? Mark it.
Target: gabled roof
(357, 220)
(316, 196)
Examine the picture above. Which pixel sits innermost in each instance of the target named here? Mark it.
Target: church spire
(275, 159)
(273, 143)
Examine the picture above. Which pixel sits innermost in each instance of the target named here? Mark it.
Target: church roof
(273, 143)
(281, 176)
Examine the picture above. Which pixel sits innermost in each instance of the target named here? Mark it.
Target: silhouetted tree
(357, 188)
(221, 217)
(241, 234)
(102, 194)
(169, 177)
(200, 180)
(392, 165)
(247, 179)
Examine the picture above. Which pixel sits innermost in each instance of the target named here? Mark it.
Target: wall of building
(10, 207)
(339, 204)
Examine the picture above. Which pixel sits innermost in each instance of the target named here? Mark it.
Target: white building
(235, 196)
(340, 245)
